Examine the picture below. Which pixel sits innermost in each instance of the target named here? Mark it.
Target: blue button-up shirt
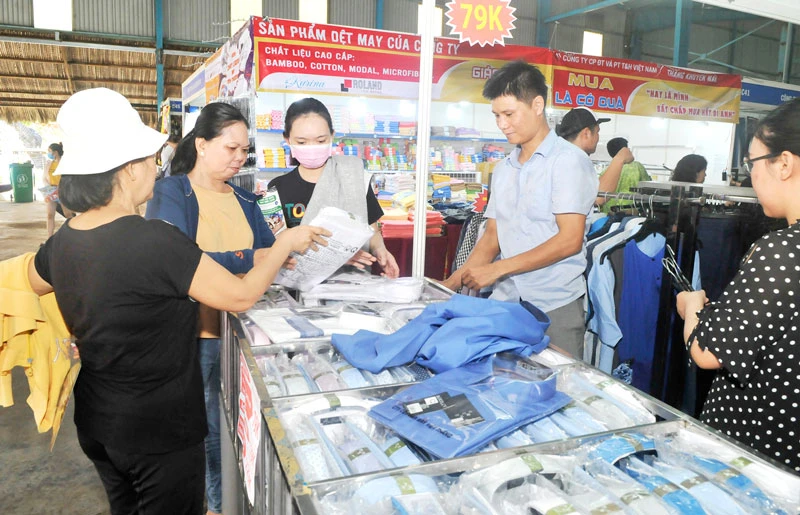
(526, 197)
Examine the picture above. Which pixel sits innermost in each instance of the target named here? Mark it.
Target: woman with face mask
(322, 180)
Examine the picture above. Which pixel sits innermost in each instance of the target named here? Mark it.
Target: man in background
(581, 128)
(632, 173)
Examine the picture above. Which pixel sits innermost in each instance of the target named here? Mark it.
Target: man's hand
(477, 277)
(625, 155)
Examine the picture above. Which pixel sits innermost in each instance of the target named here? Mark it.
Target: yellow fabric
(54, 179)
(34, 336)
(222, 225)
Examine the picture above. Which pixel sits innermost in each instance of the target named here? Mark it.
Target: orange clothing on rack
(33, 335)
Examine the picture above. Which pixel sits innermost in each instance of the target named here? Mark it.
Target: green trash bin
(22, 181)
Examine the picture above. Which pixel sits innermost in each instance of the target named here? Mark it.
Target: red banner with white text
(299, 56)
(623, 86)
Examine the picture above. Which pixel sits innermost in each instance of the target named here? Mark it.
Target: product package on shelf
(283, 325)
(321, 369)
(312, 267)
(364, 287)
(272, 209)
(566, 477)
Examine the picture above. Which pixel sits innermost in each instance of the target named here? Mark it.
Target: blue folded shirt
(449, 334)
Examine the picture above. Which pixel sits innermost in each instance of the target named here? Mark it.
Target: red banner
(647, 89)
(298, 56)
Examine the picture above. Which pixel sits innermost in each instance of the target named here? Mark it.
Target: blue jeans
(209, 364)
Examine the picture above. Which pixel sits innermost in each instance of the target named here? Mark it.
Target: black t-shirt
(295, 193)
(123, 292)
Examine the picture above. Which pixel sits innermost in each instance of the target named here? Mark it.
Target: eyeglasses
(747, 163)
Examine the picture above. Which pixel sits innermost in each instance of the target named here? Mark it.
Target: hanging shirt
(638, 310)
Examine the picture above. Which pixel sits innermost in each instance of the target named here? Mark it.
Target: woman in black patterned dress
(752, 334)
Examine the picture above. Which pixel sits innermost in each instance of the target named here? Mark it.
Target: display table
(261, 449)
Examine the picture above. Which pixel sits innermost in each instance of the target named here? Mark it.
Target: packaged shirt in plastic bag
(459, 411)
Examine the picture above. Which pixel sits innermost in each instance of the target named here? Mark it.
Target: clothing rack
(650, 198)
(667, 378)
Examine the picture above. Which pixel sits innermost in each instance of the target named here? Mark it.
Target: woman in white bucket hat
(126, 288)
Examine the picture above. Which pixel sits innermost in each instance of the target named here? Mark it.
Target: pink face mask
(311, 156)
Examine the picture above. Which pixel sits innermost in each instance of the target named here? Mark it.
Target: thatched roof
(39, 70)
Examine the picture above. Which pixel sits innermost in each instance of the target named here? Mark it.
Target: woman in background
(750, 335)
(322, 180)
(54, 153)
(691, 168)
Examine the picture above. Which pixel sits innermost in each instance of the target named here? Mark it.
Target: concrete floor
(34, 480)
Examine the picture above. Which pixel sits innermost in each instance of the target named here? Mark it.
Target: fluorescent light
(437, 21)
(592, 43)
(52, 14)
(314, 11)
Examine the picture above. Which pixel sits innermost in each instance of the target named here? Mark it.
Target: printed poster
(249, 427)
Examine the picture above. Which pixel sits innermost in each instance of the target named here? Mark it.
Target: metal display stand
(279, 484)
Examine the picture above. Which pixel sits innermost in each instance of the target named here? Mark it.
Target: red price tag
(483, 22)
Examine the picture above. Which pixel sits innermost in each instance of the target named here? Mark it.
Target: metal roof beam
(84, 79)
(585, 10)
(159, 16)
(785, 52)
(731, 42)
(683, 23)
(95, 65)
(101, 46)
(658, 18)
(31, 95)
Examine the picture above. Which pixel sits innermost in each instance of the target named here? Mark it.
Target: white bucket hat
(102, 131)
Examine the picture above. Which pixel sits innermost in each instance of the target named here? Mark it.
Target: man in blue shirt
(541, 195)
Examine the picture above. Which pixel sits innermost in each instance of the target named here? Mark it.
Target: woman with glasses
(750, 336)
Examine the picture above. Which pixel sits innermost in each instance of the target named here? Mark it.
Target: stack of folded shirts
(433, 221)
(262, 121)
(458, 190)
(404, 199)
(399, 182)
(385, 199)
(468, 132)
(473, 190)
(408, 128)
(394, 214)
(276, 119)
(274, 157)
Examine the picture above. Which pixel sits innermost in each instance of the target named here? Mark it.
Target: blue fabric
(459, 411)
(174, 201)
(638, 310)
(713, 499)
(736, 483)
(671, 493)
(209, 365)
(449, 334)
(526, 197)
(600, 223)
(602, 320)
